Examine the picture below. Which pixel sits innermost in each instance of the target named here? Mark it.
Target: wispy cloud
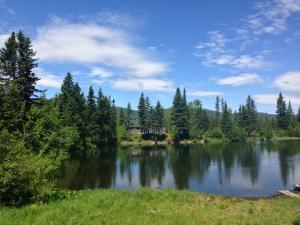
(205, 93)
(4, 8)
(100, 72)
(289, 81)
(98, 82)
(151, 85)
(47, 79)
(242, 79)
(270, 16)
(240, 47)
(217, 52)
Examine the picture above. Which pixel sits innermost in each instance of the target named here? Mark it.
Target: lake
(235, 169)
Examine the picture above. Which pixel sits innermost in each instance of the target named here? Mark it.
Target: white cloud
(242, 79)
(98, 82)
(112, 18)
(152, 85)
(206, 93)
(3, 38)
(47, 79)
(102, 73)
(89, 43)
(217, 52)
(289, 81)
(271, 16)
(271, 99)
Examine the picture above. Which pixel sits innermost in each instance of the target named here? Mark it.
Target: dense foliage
(37, 134)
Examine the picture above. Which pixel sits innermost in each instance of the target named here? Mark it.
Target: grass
(154, 207)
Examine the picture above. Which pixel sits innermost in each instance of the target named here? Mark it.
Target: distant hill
(210, 113)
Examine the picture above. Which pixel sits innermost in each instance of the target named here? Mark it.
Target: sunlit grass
(154, 207)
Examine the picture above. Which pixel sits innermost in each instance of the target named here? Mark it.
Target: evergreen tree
(282, 122)
(8, 59)
(122, 118)
(113, 119)
(128, 116)
(217, 108)
(179, 117)
(289, 114)
(226, 122)
(142, 112)
(298, 115)
(159, 118)
(71, 104)
(91, 108)
(26, 78)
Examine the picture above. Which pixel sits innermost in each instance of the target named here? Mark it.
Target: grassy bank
(154, 207)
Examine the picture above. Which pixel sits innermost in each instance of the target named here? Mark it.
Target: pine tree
(298, 115)
(128, 116)
(26, 78)
(8, 59)
(142, 111)
(113, 119)
(282, 122)
(289, 114)
(179, 116)
(91, 108)
(226, 122)
(159, 118)
(122, 118)
(217, 108)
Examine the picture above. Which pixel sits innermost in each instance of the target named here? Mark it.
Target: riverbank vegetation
(154, 207)
(37, 134)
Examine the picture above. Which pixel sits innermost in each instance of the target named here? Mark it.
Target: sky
(227, 48)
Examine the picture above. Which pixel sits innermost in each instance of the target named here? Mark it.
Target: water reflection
(240, 169)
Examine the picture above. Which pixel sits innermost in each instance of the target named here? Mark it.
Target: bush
(238, 134)
(28, 177)
(215, 133)
(196, 134)
(294, 131)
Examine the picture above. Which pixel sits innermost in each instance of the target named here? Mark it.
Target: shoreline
(142, 143)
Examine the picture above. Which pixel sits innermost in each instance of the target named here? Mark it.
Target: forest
(37, 134)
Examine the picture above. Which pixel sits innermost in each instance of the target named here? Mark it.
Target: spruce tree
(159, 118)
(217, 109)
(26, 77)
(91, 108)
(282, 122)
(179, 117)
(122, 118)
(8, 59)
(113, 122)
(226, 122)
(128, 116)
(142, 112)
(289, 114)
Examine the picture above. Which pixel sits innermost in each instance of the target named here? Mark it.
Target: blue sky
(227, 48)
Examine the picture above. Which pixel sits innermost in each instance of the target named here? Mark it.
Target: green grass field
(154, 207)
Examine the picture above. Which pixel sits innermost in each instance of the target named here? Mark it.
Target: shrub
(28, 177)
(215, 133)
(294, 131)
(238, 134)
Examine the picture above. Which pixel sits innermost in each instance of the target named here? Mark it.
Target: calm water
(232, 169)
